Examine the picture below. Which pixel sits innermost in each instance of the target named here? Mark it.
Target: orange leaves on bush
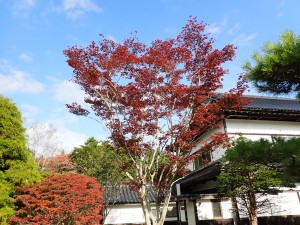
(60, 199)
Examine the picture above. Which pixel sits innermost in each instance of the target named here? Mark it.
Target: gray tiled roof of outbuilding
(124, 194)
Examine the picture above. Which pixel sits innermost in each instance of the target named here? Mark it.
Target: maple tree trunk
(147, 210)
(164, 208)
(145, 205)
(142, 96)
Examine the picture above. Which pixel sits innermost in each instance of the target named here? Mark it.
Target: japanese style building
(264, 117)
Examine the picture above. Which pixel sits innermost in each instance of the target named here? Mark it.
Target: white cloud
(232, 30)
(70, 139)
(20, 7)
(29, 111)
(215, 28)
(67, 137)
(243, 39)
(67, 92)
(75, 9)
(26, 57)
(14, 80)
(280, 7)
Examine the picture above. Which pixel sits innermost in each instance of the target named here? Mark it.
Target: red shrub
(60, 199)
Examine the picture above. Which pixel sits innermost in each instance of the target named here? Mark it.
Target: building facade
(262, 118)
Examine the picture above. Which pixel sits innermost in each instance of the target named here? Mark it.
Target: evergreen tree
(277, 70)
(107, 165)
(253, 169)
(99, 160)
(17, 167)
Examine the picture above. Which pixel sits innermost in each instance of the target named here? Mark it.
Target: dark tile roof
(267, 108)
(123, 194)
(270, 103)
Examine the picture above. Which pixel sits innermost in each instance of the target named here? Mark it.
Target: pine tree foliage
(277, 69)
(253, 169)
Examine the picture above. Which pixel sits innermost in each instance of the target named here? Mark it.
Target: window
(204, 158)
(216, 208)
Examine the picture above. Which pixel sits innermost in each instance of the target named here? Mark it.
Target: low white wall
(130, 213)
(285, 203)
(120, 214)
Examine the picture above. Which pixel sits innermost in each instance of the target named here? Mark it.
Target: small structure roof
(124, 194)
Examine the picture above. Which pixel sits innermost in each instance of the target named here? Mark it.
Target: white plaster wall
(251, 129)
(182, 215)
(258, 128)
(285, 203)
(205, 211)
(207, 136)
(226, 209)
(120, 214)
(191, 213)
(129, 213)
(216, 154)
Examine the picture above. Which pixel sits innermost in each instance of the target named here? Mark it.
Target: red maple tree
(156, 100)
(60, 199)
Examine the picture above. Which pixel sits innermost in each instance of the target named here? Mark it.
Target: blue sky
(34, 33)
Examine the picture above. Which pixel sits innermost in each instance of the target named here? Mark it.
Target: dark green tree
(253, 169)
(107, 165)
(99, 160)
(17, 167)
(277, 69)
